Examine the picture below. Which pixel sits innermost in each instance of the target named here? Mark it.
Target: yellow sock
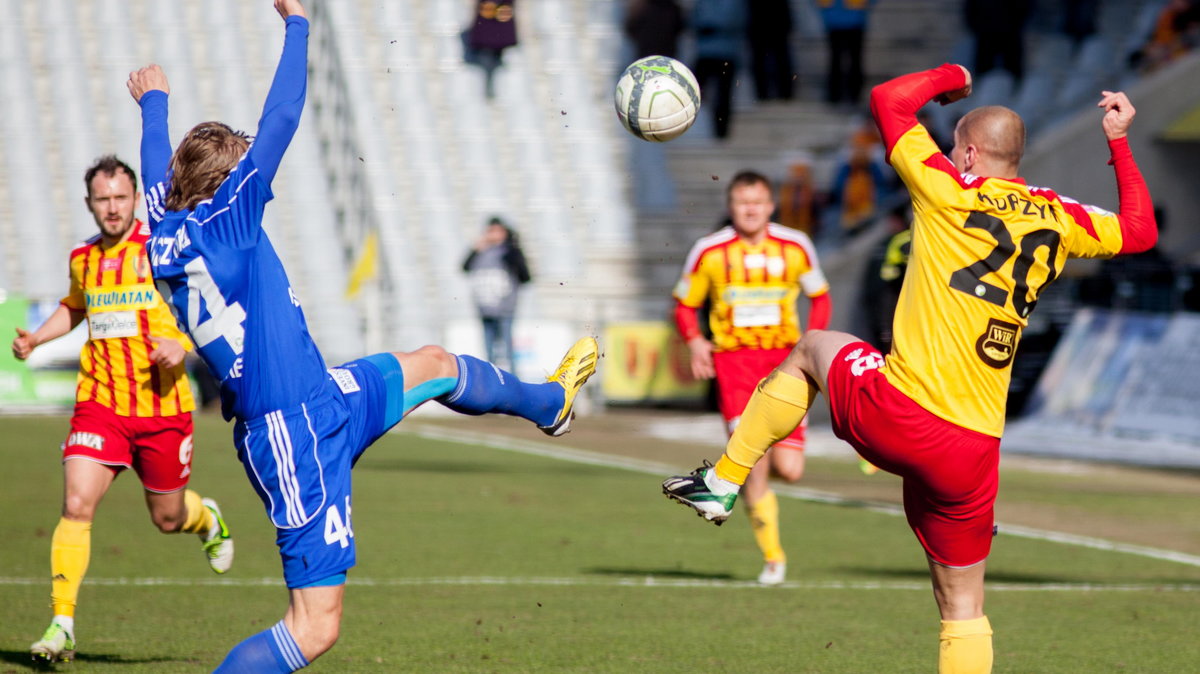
(199, 519)
(966, 647)
(70, 550)
(764, 519)
(774, 411)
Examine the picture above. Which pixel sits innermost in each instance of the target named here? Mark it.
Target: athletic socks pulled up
(483, 388)
(272, 650)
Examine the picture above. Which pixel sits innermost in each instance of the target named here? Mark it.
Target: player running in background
(133, 406)
(752, 273)
(985, 244)
(299, 427)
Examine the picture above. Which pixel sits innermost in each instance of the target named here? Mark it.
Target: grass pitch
(472, 559)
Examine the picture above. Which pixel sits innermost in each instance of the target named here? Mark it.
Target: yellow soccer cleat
(573, 372)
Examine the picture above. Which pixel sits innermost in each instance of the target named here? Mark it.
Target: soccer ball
(657, 98)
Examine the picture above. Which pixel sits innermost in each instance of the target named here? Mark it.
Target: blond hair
(201, 163)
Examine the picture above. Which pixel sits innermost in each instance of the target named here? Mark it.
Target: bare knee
(799, 360)
(316, 633)
(79, 508)
(787, 462)
(958, 590)
(168, 522)
(790, 473)
(318, 639)
(431, 360)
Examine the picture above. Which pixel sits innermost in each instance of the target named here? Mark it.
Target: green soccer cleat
(217, 544)
(693, 491)
(57, 644)
(573, 372)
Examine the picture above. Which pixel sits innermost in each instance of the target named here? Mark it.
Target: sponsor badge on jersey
(344, 380)
(756, 315)
(113, 324)
(997, 345)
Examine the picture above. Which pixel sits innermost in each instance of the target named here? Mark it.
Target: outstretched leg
(472, 386)
(777, 407)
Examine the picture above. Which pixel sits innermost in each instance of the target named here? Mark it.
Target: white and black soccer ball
(657, 98)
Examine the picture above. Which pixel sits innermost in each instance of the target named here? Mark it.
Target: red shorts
(950, 472)
(159, 449)
(738, 374)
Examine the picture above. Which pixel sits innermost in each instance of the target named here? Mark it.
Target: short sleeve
(1091, 231)
(75, 299)
(693, 286)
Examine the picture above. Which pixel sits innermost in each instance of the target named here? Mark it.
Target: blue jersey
(216, 267)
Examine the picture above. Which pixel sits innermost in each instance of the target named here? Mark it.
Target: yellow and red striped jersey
(752, 288)
(124, 311)
(983, 249)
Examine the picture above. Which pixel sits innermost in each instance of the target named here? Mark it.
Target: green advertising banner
(25, 388)
(16, 381)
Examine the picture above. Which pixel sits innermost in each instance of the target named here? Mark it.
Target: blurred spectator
(858, 188)
(1176, 31)
(492, 30)
(720, 27)
(1138, 282)
(860, 183)
(770, 30)
(845, 29)
(798, 207)
(999, 30)
(654, 27)
(496, 267)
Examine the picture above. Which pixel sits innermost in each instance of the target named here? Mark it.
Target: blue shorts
(299, 462)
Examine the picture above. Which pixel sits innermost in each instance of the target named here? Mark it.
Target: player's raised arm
(285, 100)
(1139, 231)
(894, 103)
(149, 88)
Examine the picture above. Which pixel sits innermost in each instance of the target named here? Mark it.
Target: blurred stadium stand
(400, 141)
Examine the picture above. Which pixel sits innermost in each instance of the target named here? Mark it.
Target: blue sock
(271, 651)
(483, 388)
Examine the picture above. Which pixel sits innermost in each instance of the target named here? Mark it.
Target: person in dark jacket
(493, 29)
(496, 267)
(654, 27)
(770, 30)
(720, 27)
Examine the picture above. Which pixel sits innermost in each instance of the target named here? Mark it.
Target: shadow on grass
(414, 465)
(23, 659)
(661, 573)
(1008, 577)
(409, 464)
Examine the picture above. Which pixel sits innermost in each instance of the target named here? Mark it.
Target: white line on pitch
(632, 581)
(561, 452)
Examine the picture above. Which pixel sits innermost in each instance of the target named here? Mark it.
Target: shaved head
(997, 133)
